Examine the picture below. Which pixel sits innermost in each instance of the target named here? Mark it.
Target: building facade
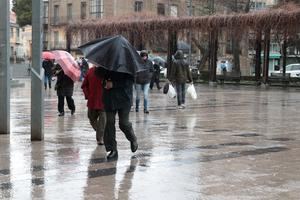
(62, 12)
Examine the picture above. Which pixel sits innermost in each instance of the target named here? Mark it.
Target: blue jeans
(180, 89)
(47, 79)
(139, 88)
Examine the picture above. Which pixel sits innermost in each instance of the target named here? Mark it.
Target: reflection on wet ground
(234, 142)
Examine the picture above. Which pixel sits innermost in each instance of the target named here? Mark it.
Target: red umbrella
(68, 64)
(47, 55)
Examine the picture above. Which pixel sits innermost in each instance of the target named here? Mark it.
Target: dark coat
(120, 96)
(64, 85)
(47, 65)
(180, 72)
(145, 77)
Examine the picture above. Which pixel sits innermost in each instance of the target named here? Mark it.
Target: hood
(179, 55)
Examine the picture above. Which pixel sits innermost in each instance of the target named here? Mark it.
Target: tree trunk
(266, 56)
(258, 58)
(172, 48)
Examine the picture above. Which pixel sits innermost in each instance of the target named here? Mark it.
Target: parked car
(293, 69)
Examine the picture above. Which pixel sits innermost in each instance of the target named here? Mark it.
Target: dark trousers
(61, 103)
(97, 120)
(155, 79)
(180, 89)
(110, 129)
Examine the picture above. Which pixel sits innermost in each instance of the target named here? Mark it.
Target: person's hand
(109, 85)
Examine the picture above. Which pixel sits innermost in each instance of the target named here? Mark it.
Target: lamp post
(4, 68)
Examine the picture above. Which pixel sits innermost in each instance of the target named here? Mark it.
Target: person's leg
(125, 125)
(146, 95)
(138, 89)
(49, 80)
(93, 117)
(183, 94)
(71, 104)
(100, 126)
(157, 83)
(45, 81)
(110, 132)
(178, 91)
(61, 104)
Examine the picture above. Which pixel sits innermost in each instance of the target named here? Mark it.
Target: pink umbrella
(68, 64)
(47, 55)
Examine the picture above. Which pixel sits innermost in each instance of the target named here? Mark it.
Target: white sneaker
(183, 105)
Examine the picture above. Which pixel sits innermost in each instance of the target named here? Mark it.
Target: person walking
(117, 97)
(93, 91)
(155, 77)
(64, 87)
(84, 66)
(143, 83)
(180, 74)
(48, 66)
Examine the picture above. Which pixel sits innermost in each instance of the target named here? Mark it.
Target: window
(56, 14)
(138, 6)
(96, 8)
(174, 11)
(69, 11)
(83, 10)
(11, 32)
(46, 10)
(161, 9)
(56, 38)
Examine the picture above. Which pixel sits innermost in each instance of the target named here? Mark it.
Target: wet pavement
(234, 142)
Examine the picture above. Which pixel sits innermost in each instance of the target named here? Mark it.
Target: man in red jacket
(93, 90)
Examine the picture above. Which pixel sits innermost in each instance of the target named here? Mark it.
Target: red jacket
(93, 90)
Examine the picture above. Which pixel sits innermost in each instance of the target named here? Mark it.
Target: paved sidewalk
(233, 143)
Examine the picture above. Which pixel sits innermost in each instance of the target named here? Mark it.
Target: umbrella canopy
(159, 61)
(68, 64)
(114, 54)
(47, 55)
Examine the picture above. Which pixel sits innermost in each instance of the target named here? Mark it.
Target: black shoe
(112, 155)
(72, 112)
(136, 110)
(146, 111)
(134, 146)
(61, 114)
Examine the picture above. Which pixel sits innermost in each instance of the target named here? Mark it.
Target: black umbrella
(114, 54)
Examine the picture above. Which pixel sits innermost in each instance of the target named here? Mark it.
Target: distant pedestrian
(180, 74)
(93, 91)
(84, 66)
(117, 98)
(155, 77)
(48, 67)
(64, 88)
(143, 80)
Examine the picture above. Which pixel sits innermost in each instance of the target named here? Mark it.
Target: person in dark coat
(117, 97)
(155, 77)
(180, 74)
(48, 66)
(93, 91)
(64, 88)
(143, 80)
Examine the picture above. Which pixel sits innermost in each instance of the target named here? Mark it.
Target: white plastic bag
(191, 91)
(171, 92)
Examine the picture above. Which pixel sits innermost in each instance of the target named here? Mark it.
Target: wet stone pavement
(233, 143)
